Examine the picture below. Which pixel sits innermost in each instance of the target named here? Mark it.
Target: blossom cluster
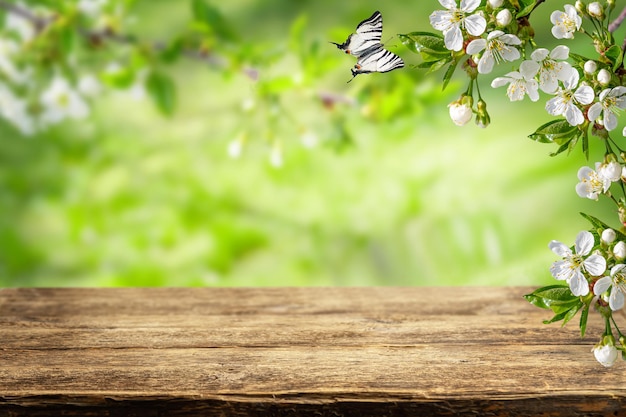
(32, 100)
(595, 271)
(495, 33)
(585, 94)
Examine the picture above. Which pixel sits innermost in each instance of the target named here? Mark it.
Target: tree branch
(97, 36)
(615, 24)
(40, 23)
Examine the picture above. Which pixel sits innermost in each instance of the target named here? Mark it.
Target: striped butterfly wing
(377, 60)
(367, 36)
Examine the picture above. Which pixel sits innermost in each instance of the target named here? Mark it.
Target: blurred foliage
(327, 183)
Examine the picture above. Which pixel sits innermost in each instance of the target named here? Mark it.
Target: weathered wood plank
(295, 351)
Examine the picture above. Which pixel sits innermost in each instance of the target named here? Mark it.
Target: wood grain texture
(296, 351)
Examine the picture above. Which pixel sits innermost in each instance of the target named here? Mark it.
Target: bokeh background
(383, 190)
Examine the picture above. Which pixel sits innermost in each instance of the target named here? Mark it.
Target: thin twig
(40, 24)
(615, 24)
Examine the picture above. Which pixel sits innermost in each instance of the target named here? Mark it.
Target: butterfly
(365, 45)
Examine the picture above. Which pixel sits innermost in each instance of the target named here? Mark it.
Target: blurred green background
(132, 198)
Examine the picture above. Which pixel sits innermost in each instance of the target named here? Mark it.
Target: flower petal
(616, 299)
(441, 20)
(594, 111)
(560, 249)
(610, 120)
(595, 265)
(448, 4)
(584, 243)
(539, 54)
(560, 52)
(469, 6)
(475, 25)
(584, 94)
(573, 115)
(579, 285)
(602, 285)
(453, 38)
(529, 69)
(476, 46)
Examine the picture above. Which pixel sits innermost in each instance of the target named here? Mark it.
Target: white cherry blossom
(575, 263)
(552, 67)
(617, 282)
(566, 101)
(61, 101)
(455, 19)
(15, 111)
(498, 47)
(610, 102)
(520, 84)
(565, 23)
(612, 170)
(591, 183)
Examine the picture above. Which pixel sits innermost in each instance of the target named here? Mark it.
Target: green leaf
(430, 46)
(544, 297)
(561, 149)
(448, 75)
(557, 131)
(172, 51)
(598, 224)
(163, 91)
(66, 39)
(565, 314)
(206, 13)
(583, 320)
(433, 66)
(615, 54)
(526, 6)
(121, 78)
(572, 312)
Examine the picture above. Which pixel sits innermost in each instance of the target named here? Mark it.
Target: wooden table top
(372, 351)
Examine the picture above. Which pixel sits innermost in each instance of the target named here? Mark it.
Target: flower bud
(495, 3)
(606, 353)
(611, 170)
(608, 236)
(276, 155)
(461, 111)
(619, 250)
(235, 147)
(580, 7)
(482, 117)
(504, 17)
(590, 67)
(604, 77)
(595, 10)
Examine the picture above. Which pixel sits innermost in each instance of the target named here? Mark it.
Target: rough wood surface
(296, 351)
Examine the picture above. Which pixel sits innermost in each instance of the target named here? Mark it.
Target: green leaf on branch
(448, 75)
(430, 46)
(615, 55)
(205, 13)
(599, 226)
(551, 295)
(526, 6)
(433, 66)
(555, 131)
(559, 299)
(163, 91)
(583, 320)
